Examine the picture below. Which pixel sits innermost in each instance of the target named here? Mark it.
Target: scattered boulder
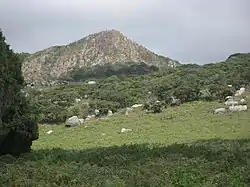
(127, 110)
(124, 130)
(91, 82)
(220, 110)
(73, 121)
(97, 112)
(137, 105)
(228, 97)
(110, 113)
(77, 100)
(240, 91)
(88, 117)
(49, 132)
(242, 101)
(175, 102)
(81, 120)
(231, 102)
(238, 108)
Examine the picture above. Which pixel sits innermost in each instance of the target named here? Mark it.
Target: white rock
(229, 97)
(137, 105)
(91, 82)
(73, 121)
(238, 108)
(242, 90)
(242, 101)
(230, 102)
(49, 132)
(110, 113)
(81, 120)
(124, 130)
(77, 100)
(219, 110)
(97, 112)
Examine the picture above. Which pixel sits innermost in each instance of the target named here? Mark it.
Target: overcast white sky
(199, 31)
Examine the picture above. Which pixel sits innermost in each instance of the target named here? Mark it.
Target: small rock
(81, 120)
(49, 132)
(110, 113)
(124, 130)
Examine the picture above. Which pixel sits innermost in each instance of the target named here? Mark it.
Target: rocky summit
(105, 47)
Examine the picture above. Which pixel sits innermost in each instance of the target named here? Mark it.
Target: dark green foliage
(153, 106)
(22, 56)
(104, 106)
(107, 70)
(203, 163)
(18, 126)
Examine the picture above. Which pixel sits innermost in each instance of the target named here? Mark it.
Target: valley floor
(183, 146)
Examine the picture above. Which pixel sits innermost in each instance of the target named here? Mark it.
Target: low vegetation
(192, 148)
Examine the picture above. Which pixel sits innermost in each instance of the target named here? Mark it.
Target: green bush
(18, 124)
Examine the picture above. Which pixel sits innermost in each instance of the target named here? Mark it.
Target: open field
(183, 146)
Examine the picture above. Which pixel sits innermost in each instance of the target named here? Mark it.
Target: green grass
(192, 148)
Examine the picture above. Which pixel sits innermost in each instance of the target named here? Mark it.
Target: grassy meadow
(185, 146)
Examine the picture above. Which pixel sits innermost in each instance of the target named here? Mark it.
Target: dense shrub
(18, 127)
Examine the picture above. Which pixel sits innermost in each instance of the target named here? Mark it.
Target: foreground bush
(18, 127)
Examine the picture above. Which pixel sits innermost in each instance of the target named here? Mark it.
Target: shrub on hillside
(81, 110)
(103, 106)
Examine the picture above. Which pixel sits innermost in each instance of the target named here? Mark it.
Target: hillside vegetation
(187, 83)
(192, 148)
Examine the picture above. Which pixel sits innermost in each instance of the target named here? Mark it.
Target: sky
(190, 31)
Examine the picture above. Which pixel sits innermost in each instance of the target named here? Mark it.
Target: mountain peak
(104, 47)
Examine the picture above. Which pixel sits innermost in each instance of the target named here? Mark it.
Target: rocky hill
(102, 48)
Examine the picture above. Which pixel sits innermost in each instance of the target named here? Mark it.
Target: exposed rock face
(109, 46)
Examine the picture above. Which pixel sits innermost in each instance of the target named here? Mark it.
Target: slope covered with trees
(99, 72)
(18, 126)
(187, 82)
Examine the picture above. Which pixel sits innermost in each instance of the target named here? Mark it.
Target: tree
(18, 127)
